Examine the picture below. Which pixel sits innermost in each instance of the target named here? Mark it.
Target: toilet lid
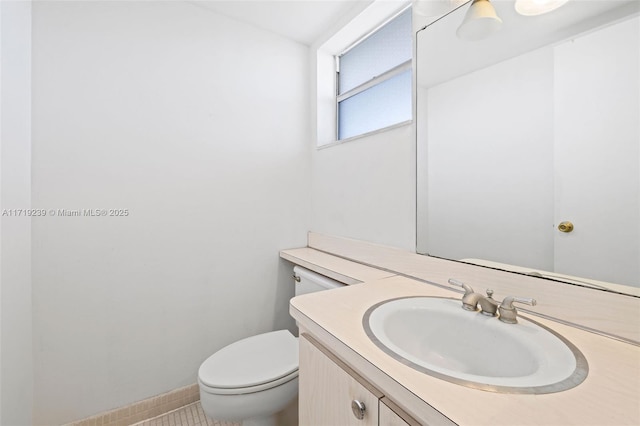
(252, 361)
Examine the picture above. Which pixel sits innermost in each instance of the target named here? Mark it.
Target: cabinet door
(389, 418)
(392, 415)
(327, 391)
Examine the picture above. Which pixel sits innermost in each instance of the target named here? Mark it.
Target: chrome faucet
(489, 306)
(508, 312)
(471, 299)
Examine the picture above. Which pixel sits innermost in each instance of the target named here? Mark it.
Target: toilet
(253, 379)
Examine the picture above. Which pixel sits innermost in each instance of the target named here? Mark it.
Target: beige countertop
(609, 313)
(610, 395)
(339, 269)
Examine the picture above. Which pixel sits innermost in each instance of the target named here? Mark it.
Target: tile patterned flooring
(189, 415)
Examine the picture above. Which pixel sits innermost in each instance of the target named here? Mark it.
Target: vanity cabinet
(333, 394)
(334, 346)
(327, 391)
(388, 417)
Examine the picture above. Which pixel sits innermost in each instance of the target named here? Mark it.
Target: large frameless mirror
(528, 135)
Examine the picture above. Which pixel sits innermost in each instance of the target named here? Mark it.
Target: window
(374, 80)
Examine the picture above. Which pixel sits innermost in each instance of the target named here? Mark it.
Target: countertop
(334, 267)
(610, 395)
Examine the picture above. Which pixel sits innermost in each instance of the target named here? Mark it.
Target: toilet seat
(251, 389)
(251, 365)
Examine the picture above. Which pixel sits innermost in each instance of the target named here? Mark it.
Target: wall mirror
(527, 131)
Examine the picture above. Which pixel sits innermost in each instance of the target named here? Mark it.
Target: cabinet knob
(358, 409)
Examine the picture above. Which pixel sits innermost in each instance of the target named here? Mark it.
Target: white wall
(198, 125)
(16, 363)
(365, 189)
(597, 140)
(490, 181)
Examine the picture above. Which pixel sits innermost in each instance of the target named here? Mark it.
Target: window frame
(393, 72)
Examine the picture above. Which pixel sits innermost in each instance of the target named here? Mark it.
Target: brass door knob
(565, 226)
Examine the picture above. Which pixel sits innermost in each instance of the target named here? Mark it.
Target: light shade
(480, 21)
(435, 8)
(537, 7)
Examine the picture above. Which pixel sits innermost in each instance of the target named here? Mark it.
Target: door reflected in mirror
(528, 143)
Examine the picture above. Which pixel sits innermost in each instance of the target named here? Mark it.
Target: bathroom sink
(439, 338)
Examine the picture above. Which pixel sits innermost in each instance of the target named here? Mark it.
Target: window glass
(383, 50)
(374, 80)
(380, 106)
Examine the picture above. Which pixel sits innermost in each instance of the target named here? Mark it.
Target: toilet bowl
(253, 379)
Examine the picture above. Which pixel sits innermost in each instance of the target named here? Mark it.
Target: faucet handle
(467, 288)
(470, 297)
(510, 300)
(508, 312)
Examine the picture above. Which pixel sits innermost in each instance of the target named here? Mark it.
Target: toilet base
(261, 421)
(252, 409)
(287, 417)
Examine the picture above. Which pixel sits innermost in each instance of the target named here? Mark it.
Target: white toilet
(253, 379)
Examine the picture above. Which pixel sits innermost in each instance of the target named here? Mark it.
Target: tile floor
(189, 415)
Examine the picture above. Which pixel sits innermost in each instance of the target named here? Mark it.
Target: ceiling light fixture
(480, 21)
(537, 7)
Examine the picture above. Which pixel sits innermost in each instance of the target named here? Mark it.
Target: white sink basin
(438, 337)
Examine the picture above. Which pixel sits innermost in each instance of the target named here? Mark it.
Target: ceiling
(304, 21)
(438, 43)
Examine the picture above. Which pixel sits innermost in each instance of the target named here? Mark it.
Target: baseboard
(145, 409)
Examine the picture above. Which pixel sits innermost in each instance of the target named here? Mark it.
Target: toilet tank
(308, 281)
